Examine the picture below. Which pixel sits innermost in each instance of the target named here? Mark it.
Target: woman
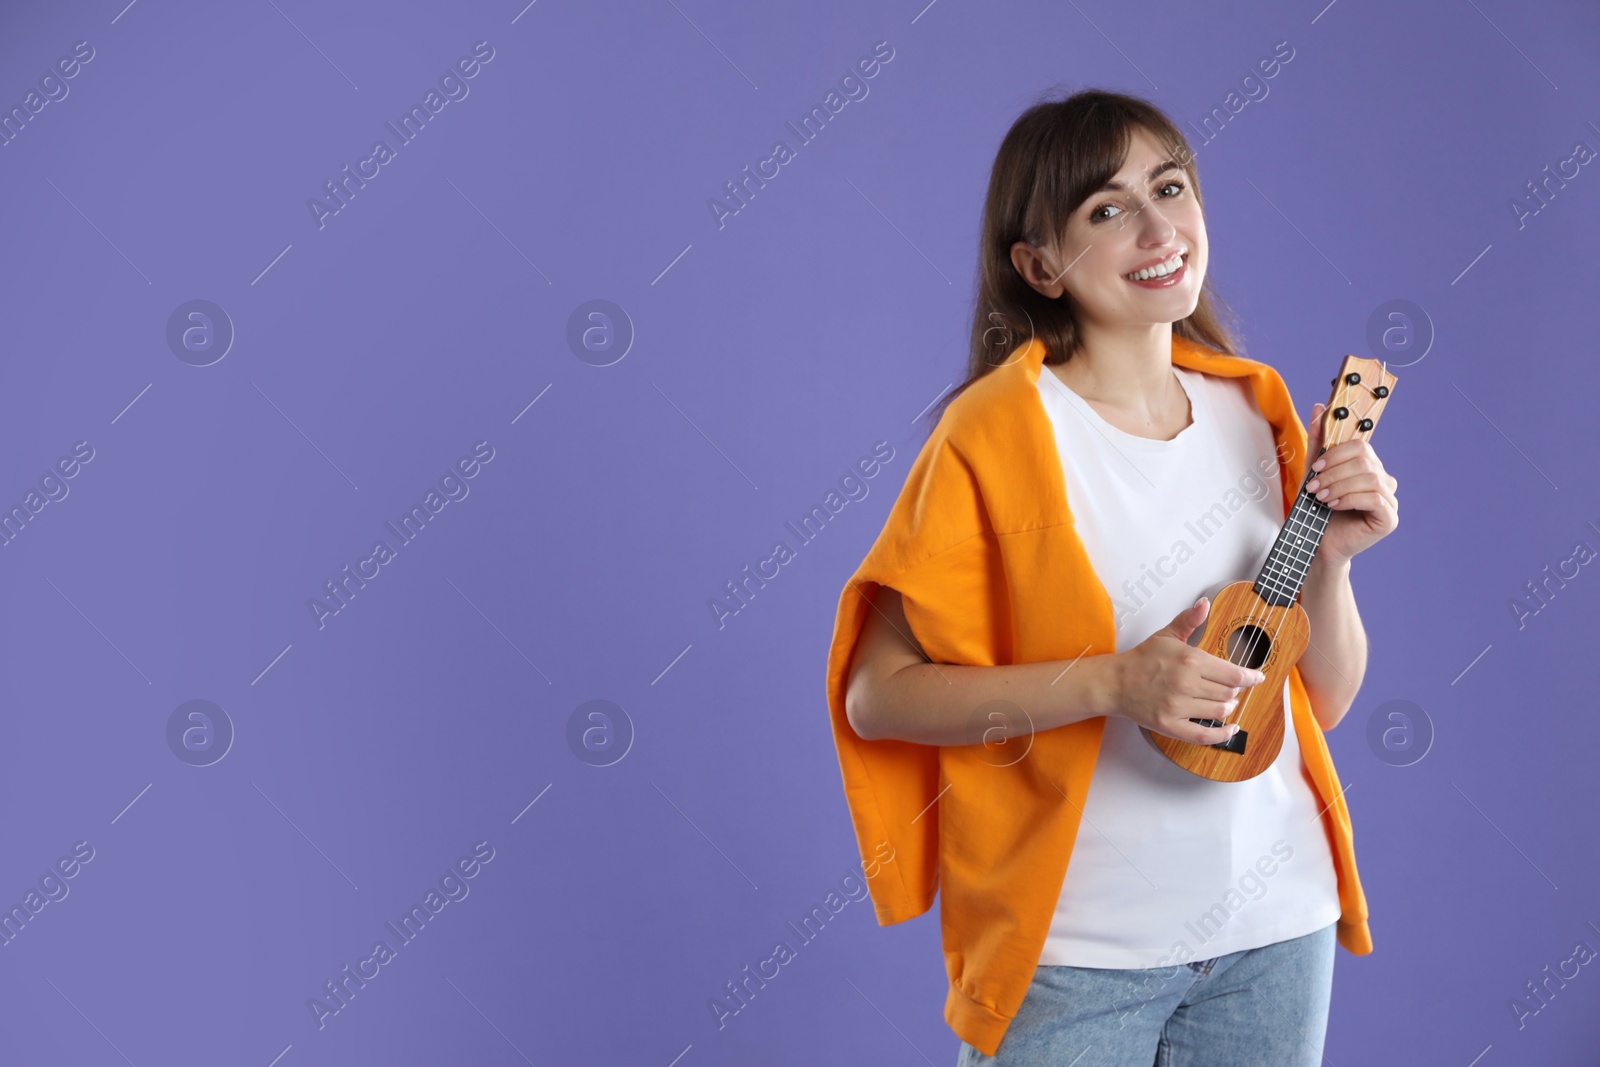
(997, 653)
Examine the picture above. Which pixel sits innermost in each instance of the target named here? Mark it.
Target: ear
(1035, 265)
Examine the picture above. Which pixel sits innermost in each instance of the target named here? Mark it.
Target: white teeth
(1160, 270)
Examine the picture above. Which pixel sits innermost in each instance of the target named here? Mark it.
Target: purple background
(768, 356)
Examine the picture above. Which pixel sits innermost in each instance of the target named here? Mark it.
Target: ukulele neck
(1289, 562)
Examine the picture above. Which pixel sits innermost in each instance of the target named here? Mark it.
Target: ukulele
(1261, 624)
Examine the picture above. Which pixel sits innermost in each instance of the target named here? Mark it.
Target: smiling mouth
(1161, 272)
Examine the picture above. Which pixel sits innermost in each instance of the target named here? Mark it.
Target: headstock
(1360, 391)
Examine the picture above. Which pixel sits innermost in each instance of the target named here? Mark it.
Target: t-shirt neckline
(1197, 415)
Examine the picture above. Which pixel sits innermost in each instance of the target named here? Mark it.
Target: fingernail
(1233, 730)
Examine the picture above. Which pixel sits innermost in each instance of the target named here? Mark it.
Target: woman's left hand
(1352, 482)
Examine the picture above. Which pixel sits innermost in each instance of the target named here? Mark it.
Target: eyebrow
(1155, 172)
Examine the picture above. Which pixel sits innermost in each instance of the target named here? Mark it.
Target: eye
(1096, 218)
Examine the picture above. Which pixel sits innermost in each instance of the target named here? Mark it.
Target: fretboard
(1289, 562)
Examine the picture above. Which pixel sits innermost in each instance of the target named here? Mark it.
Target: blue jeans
(1263, 1007)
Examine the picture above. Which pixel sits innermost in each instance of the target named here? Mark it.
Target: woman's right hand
(1165, 681)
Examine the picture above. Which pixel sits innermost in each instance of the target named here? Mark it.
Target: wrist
(1327, 567)
(1106, 686)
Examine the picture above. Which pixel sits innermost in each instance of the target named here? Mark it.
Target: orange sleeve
(932, 549)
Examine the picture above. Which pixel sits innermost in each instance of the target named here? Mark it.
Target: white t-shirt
(1169, 866)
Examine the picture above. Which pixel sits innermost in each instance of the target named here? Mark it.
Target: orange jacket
(981, 545)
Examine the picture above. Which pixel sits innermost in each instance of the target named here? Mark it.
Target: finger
(1328, 488)
(1215, 717)
(1343, 452)
(1228, 675)
(1374, 502)
(1214, 693)
(1347, 487)
(1340, 462)
(1196, 733)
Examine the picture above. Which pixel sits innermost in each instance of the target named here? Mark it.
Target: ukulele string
(1359, 416)
(1260, 610)
(1262, 607)
(1251, 618)
(1340, 400)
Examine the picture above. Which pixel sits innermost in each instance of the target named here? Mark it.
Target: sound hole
(1248, 646)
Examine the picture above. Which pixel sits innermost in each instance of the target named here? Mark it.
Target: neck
(1126, 366)
(1287, 565)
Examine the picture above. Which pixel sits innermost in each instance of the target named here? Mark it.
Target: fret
(1288, 564)
(1299, 548)
(1314, 506)
(1289, 577)
(1313, 521)
(1283, 589)
(1275, 599)
(1275, 587)
(1276, 571)
(1299, 553)
(1277, 568)
(1295, 557)
(1297, 543)
(1299, 524)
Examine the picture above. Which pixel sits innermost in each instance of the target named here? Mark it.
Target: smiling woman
(1104, 408)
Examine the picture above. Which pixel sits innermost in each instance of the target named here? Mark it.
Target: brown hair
(1055, 156)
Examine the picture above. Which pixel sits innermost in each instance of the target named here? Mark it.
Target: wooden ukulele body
(1249, 629)
(1244, 629)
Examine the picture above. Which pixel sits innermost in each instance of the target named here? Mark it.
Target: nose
(1147, 215)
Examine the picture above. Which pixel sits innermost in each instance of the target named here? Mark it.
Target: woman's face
(1120, 231)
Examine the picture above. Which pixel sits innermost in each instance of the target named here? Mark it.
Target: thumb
(1314, 432)
(1183, 624)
